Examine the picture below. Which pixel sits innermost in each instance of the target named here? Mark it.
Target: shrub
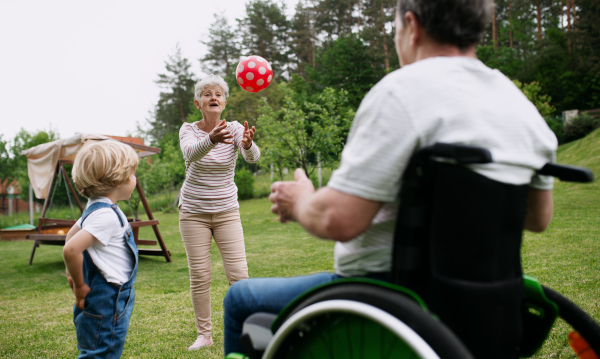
(556, 125)
(579, 127)
(245, 184)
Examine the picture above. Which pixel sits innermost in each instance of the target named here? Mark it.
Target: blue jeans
(269, 295)
(102, 326)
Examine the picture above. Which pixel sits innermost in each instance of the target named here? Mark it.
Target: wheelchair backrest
(457, 244)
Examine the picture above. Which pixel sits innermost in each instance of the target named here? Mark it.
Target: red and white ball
(254, 73)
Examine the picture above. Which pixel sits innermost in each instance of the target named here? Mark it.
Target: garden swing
(46, 168)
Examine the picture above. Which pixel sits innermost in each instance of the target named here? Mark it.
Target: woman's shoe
(201, 342)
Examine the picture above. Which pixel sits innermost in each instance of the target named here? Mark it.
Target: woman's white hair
(211, 80)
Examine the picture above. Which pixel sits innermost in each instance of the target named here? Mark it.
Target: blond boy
(100, 253)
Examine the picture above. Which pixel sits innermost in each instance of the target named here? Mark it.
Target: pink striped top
(209, 169)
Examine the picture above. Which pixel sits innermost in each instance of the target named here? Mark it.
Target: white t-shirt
(110, 254)
(441, 99)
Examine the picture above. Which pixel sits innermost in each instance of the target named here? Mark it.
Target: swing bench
(52, 231)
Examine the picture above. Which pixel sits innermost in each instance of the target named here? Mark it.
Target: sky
(90, 66)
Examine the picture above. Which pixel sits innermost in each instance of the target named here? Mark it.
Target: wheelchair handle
(567, 173)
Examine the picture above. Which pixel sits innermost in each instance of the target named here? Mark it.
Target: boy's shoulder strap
(96, 206)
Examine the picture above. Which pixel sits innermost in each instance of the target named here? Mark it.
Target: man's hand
(220, 134)
(285, 195)
(248, 136)
(80, 293)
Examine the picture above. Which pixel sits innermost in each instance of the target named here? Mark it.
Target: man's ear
(413, 26)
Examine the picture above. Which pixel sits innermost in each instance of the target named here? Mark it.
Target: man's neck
(432, 49)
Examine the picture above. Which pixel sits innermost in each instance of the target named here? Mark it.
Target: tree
(7, 164)
(301, 134)
(588, 29)
(265, 32)
(303, 38)
(346, 64)
(22, 141)
(173, 107)
(533, 93)
(223, 48)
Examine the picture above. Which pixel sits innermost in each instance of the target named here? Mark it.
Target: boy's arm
(77, 242)
(73, 231)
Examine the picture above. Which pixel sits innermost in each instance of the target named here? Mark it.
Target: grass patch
(36, 302)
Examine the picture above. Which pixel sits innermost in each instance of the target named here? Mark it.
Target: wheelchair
(457, 288)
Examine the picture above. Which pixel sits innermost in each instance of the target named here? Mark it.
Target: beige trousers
(196, 232)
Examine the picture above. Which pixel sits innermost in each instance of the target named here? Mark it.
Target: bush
(556, 125)
(579, 127)
(245, 184)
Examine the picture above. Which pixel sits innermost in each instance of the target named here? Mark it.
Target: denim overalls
(102, 327)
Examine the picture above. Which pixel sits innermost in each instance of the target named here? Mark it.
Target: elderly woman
(208, 204)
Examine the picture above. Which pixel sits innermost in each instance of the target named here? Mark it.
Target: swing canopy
(42, 159)
(45, 166)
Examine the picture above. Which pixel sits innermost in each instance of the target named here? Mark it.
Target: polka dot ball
(254, 73)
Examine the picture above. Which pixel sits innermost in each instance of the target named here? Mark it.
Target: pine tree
(173, 106)
(303, 38)
(265, 32)
(334, 18)
(223, 48)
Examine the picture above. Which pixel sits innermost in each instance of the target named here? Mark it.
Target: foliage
(558, 51)
(265, 32)
(301, 134)
(173, 106)
(223, 47)
(22, 141)
(579, 127)
(6, 163)
(243, 105)
(556, 125)
(347, 65)
(165, 173)
(244, 181)
(532, 92)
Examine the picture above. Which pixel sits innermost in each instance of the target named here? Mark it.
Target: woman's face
(212, 100)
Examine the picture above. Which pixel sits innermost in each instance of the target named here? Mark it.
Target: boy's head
(102, 166)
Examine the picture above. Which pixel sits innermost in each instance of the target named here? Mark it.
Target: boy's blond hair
(102, 166)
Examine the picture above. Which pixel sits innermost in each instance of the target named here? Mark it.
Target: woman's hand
(248, 136)
(220, 134)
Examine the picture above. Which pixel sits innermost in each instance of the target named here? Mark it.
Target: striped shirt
(210, 168)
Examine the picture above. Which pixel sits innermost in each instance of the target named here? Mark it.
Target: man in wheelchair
(442, 94)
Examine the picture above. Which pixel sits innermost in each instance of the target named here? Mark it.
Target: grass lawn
(36, 301)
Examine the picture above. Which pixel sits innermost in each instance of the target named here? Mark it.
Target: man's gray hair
(211, 80)
(454, 22)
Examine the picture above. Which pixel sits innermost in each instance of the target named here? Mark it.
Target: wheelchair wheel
(346, 329)
(575, 317)
(369, 332)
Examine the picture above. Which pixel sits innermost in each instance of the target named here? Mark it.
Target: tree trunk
(539, 21)
(385, 47)
(510, 32)
(574, 13)
(569, 27)
(494, 30)
(181, 108)
(358, 20)
(562, 14)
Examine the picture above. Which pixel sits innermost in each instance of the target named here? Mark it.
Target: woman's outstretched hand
(248, 136)
(221, 134)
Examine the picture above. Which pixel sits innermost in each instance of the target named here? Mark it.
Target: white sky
(89, 66)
